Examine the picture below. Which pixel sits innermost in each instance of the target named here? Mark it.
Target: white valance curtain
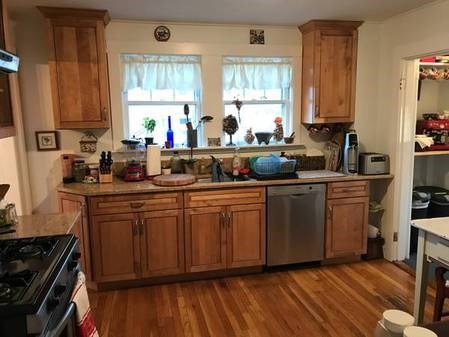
(179, 72)
(257, 72)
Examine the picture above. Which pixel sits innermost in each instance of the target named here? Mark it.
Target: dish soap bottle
(170, 135)
(236, 163)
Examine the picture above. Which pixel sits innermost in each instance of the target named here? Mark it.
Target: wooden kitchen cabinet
(205, 238)
(116, 247)
(347, 221)
(162, 243)
(77, 203)
(329, 68)
(228, 232)
(246, 236)
(78, 67)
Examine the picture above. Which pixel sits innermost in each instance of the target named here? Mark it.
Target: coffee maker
(351, 153)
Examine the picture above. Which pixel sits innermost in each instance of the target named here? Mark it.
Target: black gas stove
(37, 276)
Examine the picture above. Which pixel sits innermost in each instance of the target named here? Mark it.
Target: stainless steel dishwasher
(295, 224)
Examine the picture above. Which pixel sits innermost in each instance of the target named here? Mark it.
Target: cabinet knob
(136, 227)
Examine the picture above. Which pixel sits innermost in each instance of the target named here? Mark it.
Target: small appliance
(9, 63)
(134, 171)
(374, 163)
(438, 130)
(351, 153)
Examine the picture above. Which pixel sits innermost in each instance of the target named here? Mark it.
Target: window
(264, 87)
(158, 86)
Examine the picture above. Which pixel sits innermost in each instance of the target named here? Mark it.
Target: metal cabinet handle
(229, 219)
(223, 219)
(141, 226)
(105, 114)
(136, 227)
(136, 204)
(329, 209)
(317, 110)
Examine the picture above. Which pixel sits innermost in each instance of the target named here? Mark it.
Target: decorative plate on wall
(162, 33)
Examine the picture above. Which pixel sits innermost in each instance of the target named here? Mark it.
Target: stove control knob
(52, 304)
(59, 290)
(76, 256)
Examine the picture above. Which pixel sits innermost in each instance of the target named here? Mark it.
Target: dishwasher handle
(296, 190)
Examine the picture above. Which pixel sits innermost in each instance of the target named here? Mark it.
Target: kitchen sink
(227, 179)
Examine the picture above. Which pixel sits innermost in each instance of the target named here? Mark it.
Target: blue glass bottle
(170, 134)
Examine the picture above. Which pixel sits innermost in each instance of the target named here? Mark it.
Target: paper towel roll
(153, 160)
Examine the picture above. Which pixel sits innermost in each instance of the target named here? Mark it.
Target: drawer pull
(229, 220)
(135, 228)
(137, 204)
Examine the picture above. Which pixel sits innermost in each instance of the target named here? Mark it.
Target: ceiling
(278, 12)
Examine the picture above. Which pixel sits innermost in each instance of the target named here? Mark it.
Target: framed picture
(257, 36)
(47, 140)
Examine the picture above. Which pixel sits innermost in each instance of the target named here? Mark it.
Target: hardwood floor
(343, 300)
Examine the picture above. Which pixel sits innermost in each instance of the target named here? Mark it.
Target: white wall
(417, 33)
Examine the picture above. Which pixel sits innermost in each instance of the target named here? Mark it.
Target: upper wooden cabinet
(329, 62)
(78, 67)
(7, 128)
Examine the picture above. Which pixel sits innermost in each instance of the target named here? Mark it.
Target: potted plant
(149, 125)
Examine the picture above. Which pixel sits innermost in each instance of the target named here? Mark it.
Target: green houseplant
(149, 125)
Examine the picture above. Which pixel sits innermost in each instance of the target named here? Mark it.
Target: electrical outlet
(395, 236)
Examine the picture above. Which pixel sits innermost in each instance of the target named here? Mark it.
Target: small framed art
(47, 140)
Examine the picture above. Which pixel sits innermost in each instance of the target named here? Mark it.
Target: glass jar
(79, 170)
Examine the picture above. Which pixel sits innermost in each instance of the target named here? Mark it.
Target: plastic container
(439, 201)
(420, 206)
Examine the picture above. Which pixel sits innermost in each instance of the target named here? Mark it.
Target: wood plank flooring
(343, 300)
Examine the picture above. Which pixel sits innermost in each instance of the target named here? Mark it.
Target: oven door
(67, 325)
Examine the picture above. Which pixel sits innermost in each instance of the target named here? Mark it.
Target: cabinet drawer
(348, 189)
(135, 203)
(225, 197)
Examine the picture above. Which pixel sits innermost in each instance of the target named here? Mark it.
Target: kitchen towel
(84, 319)
(153, 160)
(423, 141)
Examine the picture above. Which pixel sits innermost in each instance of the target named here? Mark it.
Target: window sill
(227, 149)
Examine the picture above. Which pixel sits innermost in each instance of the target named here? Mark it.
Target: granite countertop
(119, 186)
(43, 225)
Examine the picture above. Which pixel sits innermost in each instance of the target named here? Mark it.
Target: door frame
(405, 148)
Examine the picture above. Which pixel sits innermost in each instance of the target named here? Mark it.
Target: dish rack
(272, 165)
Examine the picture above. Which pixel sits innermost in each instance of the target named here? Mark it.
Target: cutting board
(174, 180)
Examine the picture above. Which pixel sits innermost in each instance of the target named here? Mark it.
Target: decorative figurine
(278, 132)
(230, 126)
(238, 104)
(249, 137)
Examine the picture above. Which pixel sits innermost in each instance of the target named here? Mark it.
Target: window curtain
(179, 72)
(256, 72)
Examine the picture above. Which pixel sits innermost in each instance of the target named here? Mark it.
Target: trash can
(439, 201)
(420, 206)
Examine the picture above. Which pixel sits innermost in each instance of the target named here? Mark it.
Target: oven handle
(69, 314)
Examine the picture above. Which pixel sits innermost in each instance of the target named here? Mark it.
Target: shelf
(431, 153)
(433, 64)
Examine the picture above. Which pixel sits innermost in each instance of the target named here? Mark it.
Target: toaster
(374, 163)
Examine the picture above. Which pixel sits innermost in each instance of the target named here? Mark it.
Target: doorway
(424, 99)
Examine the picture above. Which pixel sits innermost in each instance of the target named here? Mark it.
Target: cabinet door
(205, 239)
(78, 67)
(162, 243)
(336, 95)
(77, 203)
(115, 247)
(246, 235)
(346, 226)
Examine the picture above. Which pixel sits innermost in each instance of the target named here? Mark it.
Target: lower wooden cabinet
(246, 236)
(205, 238)
(116, 247)
(74, 203)
(346, 226)
(162, 243)
(225, 237)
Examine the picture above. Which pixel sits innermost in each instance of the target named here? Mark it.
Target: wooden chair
(442, 292)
